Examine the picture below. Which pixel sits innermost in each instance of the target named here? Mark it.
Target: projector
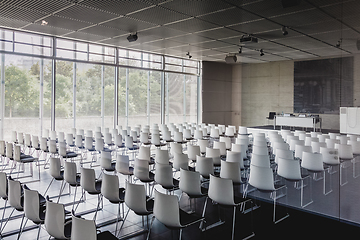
(248, 39)
(230, 59)
(132, 38)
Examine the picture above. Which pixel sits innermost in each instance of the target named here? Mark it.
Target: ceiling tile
(19, 13)
(85, 14)
(164, 43)
(116, 7)
(190, 38)
(255, 26)
(218, 33)
(158, 15)
(103, 31)
(192, 25)
(47, 29)
(161, 32)
(85, 36)
(195, 8)
(212, 44)
(128, 24)
(296, 55)
(65, 23)
(38, 5)
(229, 17)
(12, 23)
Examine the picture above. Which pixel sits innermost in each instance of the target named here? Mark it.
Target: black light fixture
(284, 31)
(132, 37)
(262, 52)
(338, 44)
(188, 54)
(240, 50)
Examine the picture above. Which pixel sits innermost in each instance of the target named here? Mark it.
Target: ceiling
(208, 29)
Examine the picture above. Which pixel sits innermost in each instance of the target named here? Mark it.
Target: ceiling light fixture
(188, 54)
(44, 23)
(284, 31)
(132, 37)
(262, 52)
(338, 44)
(240, 50)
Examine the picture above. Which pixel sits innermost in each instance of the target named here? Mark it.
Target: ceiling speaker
(358, 44)
(230, 59)
(290, 3)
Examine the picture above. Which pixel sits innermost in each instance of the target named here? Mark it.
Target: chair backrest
(70, 172)
(214, 133)
(81, 132)
(135, 198)
(144, 137)
(144, 153)
(83, 229)
(55, 168)
(205, 166)
(69, 139)
(279, 145)
(43, 144)
(239, 148)
(14, 194)
(355, 145)
(52, 135)
(289, 169)
(229, 131)
(316, 146)
(3, 185)
(141, 169)
(20, 138)
(193, 151)
(178, 136)
(308, 140)
(260, 160)
(162, 156)
(175, 148)
(62, 149)
(243, 130)
(227, 141)
(345, 151)
(330, 142)
(118, 140)
(283, 153)
(129, 143)
(89, 133)
(105, 160)
(2, 147)
(343, 139)
(99, 144)
(299, 149)
(242, 139)
(110, 187)
(198, 134)
(88, 179)
(61, 137)
(108, 138)
(261, 178)
(55, 219)
(214, 154)
(9, 150)
(259, 142)
(35, 141)
(166, 134)
(155, 139)
(164, 175)
(203, 144)
(232, 156)
(312, 161)
(231, 170)
(17, 153)
(181, 160)
(32, 205)
(190, 182)
(78, 141)
(13, 136)
(330, 155)
(221, 146)
(187, 133)
(166, 209)
(261, 150)
(27, 141)
(295, 142)
(88, 142)
(221, 190)
(323, 137)
(122, 164)
(52, 146)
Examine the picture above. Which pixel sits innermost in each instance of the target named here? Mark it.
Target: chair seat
(70, 155)
(186, 219)
(112, 168)
(27, 158)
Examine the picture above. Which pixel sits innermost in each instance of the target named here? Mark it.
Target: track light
(261, 52)
(188, 54)
(240, 50)
(132, 37)
(338, 44)
(284, 31)
(44, 23)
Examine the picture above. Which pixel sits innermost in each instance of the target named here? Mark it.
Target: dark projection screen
(322, 86)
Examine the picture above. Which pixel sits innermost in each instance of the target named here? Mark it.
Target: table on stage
(292, 121)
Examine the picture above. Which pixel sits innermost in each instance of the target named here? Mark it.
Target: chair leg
(152, 221)
(124, 221)
(233, 224)
(38, 232)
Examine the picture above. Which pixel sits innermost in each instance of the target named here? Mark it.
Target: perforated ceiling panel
(209, 29)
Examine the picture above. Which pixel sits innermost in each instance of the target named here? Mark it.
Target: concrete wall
(244, 94)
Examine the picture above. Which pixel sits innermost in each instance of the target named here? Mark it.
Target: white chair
(231, 170)
(214, 133)
(110, 190)
(215, 155)
(193, 151)
(106, 163)
(55, 223)
(221, 146)
(316, 146)
(141, 171)
(203, 144)
(260, 160)
(221, 191)
(83, 229)
(164, 177)
(168, 212)
(180, 161)
(299, 149)
(290, 170)
(155, 140)
(71, 177)
(227, 141)
(262, 179)
(162, 156)
(205, 166)
(122, 166)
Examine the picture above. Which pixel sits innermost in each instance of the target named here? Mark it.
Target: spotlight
(261, 52)
(240, 50)
(132, 37)
(44, 23)
(338, 44)
(284, 31)
(188, 54)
